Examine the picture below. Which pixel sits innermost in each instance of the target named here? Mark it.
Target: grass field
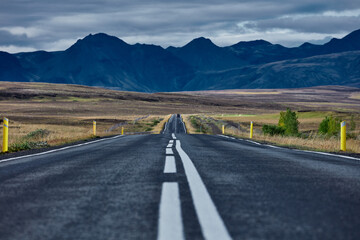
(44, 114)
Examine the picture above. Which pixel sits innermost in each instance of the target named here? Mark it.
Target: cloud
(49, 25)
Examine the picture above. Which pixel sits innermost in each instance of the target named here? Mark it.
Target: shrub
(289, 121)
(352, 123)
(273, 130)
(330, 126)
(38, 133)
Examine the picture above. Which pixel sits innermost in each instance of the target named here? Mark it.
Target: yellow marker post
(343, 136)
(122, 130)
(5, 135)
(94, 128)
(251, 129)
(223, 129)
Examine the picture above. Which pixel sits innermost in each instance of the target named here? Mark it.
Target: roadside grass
(67, 111)
(309, 123)
(24, 136)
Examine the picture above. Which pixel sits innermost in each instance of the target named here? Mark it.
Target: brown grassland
(53, 114)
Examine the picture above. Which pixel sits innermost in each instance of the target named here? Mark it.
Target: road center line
(169, 151)
(170, 221)
(170, 166)
(212, 226)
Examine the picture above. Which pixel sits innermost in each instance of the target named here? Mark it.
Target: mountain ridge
(107, 61)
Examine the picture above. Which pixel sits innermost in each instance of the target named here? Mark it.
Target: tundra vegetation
(43, 115)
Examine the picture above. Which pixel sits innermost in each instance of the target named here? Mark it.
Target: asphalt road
(179, 186)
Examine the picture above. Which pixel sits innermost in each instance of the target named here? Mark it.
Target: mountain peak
(200, 42)
(255, 43)
(99, 40)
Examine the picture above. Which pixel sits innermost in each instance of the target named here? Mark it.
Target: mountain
(202, 54)
(332, 69)
(10, 68)
(102, 60)
(107, 61)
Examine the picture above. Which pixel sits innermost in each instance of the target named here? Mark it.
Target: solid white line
(212, 226)
(170, 166)
(169, 151)
(169, 145)
(59, 149)
(329, 154)
(183, 123)
(253, 142)
(223, 136)
(165, 127)
(170, 221)
(272, 146)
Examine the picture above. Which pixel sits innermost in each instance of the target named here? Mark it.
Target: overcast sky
(28, 25)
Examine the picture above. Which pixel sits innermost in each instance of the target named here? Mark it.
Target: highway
(179, 186)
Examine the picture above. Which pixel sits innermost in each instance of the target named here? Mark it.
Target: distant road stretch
(179, 186)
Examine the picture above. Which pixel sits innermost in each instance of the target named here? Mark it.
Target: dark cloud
(54, 25)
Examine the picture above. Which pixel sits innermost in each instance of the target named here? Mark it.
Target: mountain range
(107, 61)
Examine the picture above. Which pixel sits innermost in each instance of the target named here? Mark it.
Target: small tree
(289, 121)
(330, 126)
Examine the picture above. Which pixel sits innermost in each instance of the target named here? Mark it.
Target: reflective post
(5, 135)
(343, 136)
(94, 128)
(251, 129)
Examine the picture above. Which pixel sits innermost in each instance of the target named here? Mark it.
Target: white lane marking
(173, 135)
(328, 154)
(59, 149)
(170, 221)
(253, 142)
(233, 138)
(212, 226)
(272, 146)
(169, 145)
(170, 166)
(183, 123)
(223, 135)
(165, 127)
(169, 151)
(171, 141)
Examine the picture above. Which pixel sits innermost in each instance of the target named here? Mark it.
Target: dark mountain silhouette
(102, 60)
(10, 68)
(204, 55)
(107, 61)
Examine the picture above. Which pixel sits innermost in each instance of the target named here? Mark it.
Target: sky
(29, 25)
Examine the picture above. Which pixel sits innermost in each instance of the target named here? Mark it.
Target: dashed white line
(171, 141)
(169, 151)
(173, 136)
(170, 166)
(60, 149)
(212, 226)
(170, 221)
(169, 145)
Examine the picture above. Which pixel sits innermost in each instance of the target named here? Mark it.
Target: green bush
(26, 145)
(273, 130)
(289, 121)
(330, 126)
(38, 133)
